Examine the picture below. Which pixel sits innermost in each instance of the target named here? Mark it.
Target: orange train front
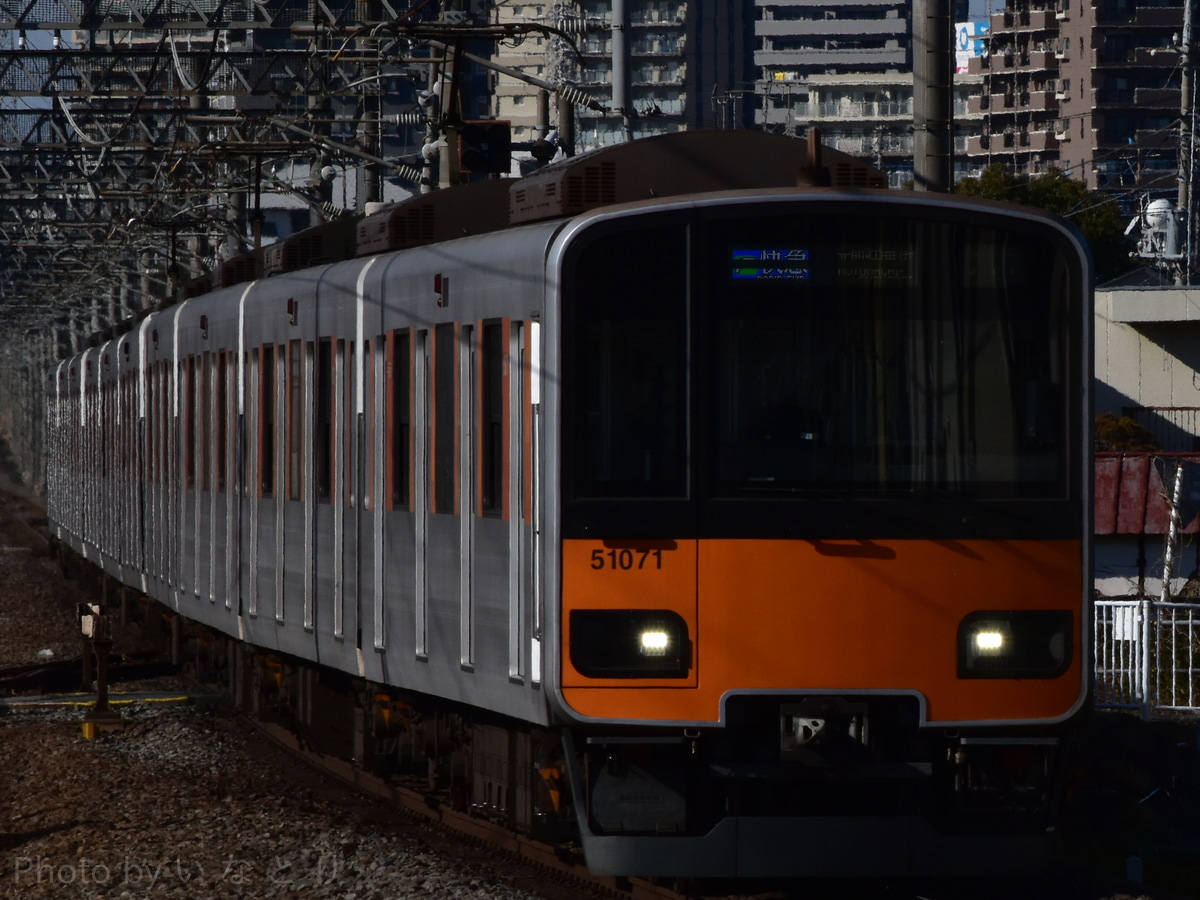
(821, 516)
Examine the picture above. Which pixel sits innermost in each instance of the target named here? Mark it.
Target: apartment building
(866, 115)
(688, 67)
(1090, 89)
(846, 68)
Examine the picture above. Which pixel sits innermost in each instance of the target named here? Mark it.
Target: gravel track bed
(186, 803)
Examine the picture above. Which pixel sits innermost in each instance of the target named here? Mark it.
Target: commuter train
(732, 502)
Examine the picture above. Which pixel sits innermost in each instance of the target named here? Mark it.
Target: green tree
(1096, 215)
(1123, 433)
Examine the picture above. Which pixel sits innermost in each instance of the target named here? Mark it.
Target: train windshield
(881, 354)
(862, 354)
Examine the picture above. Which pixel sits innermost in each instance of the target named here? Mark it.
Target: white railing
(1146, 655)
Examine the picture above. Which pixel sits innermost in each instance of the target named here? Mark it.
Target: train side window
(445, 417)
(492, 446)
(399, 406)
(323, 432)
(295, 420)
(266, 420)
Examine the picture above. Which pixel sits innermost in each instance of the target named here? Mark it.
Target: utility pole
(933, 140)
(620, 67)
(1186, 140)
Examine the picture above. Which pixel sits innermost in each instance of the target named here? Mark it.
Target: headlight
(630, 643)
(1023, 643)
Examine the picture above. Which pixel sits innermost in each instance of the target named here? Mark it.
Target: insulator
(581, 25)
(410, 173)
(411, 119)
(574, 95)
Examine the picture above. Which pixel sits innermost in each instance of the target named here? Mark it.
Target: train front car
(823, 520)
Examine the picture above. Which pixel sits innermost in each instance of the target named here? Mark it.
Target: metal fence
(1146, 655)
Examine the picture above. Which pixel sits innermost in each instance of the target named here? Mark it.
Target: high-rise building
(688, 64)
(1092, 90)
(846, 68)
(869, 116)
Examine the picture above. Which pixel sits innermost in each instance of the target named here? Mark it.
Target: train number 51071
(626, 560)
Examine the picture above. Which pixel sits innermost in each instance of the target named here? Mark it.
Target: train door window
(206, 420)
(625, 334)
(347, 390)
(337, 419)
(151, 429)
(189, 440)
(399, 451)
(164, 420)
(367, 435)
(251, 363)
(222, 423)
(528, 365)
(491, 430)
(445, 417)
(421, 488)
(295, 420)
(266, 429)
(323, 432)
(154, 421)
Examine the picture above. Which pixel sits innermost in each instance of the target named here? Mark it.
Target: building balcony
(1035, 19)
(1140, 57)
(1157, 97)
(1142, 17)
(848, 60)
(978, 65)
(1042, 100)
(1159, 17)
(1041, 140)
(978, 144)
(1116, 138)
(846, 27)
(1114, 97)
(655, 50)
(648, 20)
(1042, 59)
(857, 112)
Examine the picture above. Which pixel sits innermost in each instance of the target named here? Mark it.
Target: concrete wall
(1147, 348)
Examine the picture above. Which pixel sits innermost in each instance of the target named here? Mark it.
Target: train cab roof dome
(685, 162)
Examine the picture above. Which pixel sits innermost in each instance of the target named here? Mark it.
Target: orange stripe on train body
(798, 615)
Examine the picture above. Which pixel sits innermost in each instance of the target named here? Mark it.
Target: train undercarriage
(823, 785)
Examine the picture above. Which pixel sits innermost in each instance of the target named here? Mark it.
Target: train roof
(686, 162)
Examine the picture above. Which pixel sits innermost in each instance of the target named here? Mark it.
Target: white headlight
(654, 642)
(988, 641)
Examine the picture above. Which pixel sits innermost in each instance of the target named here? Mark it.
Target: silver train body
(234, 457)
